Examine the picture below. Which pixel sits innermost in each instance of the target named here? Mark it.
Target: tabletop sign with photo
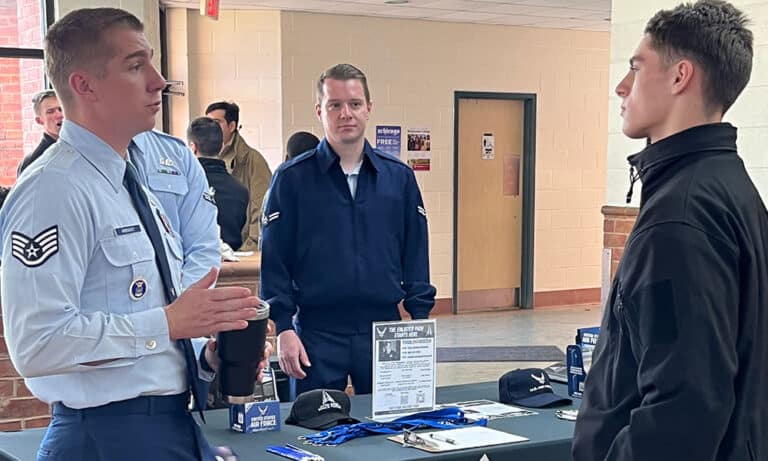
(403, 368)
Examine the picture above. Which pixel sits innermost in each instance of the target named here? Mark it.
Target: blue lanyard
(445, 418)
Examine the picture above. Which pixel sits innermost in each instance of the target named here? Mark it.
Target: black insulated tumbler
(240, 352)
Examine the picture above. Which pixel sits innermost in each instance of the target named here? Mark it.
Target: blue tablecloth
(550, 438)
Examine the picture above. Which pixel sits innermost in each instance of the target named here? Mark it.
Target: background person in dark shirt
(231, 197)
(300, 142)
(48, 113)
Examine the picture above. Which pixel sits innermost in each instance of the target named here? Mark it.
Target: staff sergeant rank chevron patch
(34, 251)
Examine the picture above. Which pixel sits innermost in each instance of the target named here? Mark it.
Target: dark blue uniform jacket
(346, 262)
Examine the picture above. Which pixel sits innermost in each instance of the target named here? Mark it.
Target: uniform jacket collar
(327, 156)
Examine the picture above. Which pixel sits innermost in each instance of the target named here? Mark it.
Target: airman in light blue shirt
(174, 175)
(72, 236)
(91, 323)
(170, 170)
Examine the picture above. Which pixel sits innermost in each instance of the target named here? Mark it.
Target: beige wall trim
(486, 300)
(566, 297)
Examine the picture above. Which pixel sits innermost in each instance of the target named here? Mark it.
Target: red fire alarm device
(209, 8)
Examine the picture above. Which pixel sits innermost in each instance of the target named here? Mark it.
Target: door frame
(528, 189)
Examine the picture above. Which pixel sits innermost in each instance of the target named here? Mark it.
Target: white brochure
(403, 368)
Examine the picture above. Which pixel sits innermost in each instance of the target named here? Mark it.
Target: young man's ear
(193, 147)
(38, 120)
(684, 74)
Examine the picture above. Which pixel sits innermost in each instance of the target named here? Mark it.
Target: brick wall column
(617, 224)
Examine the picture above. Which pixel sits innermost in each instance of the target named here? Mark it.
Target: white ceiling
(558, 14)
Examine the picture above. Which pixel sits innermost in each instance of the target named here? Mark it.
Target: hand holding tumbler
(240, 352)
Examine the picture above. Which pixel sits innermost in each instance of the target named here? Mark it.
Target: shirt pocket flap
(126, 250)
(174, 184)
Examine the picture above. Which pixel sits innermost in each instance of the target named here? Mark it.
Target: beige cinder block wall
(414, 67)
(749, 114)
(269, 62)
(236, 58)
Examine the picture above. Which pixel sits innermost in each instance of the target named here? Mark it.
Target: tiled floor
(538, 327)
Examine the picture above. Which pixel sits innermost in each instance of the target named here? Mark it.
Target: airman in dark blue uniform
(344, 241)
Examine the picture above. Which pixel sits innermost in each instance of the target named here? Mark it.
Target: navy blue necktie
(139, 199)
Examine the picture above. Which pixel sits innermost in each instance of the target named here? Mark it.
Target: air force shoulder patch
(268, 218)
(210, 195)
(34, 251)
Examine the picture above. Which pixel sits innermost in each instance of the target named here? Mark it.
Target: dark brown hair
(713, 34)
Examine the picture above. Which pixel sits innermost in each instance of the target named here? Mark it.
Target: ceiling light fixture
(396, 2)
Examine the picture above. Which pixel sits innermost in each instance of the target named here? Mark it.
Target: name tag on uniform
(127, 230)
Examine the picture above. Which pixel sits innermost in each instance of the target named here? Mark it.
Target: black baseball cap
(321, 409)
(529, 387)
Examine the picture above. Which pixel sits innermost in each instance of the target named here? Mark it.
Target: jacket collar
(328, 157)
(712, 137)
(703, 138)
(211, 164)
(235, 148)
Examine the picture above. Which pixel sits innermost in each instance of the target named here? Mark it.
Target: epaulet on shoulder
(298, 159)
(160, 134)
(389, 157)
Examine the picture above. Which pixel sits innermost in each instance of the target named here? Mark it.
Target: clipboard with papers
(487, 409)
(455, 439)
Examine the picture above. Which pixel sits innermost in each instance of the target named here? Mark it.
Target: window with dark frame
(22, 75)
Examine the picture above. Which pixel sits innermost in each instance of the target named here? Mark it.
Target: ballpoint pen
(440, 438)
(293, 452)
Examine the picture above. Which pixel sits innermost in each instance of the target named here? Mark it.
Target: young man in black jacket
(49, 115)
(681, 366)
(229, 195)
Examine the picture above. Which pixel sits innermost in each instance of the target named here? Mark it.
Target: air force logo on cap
(34, 251)
(529, 387)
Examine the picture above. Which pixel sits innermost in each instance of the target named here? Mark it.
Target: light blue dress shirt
(173, 174)
(80, 283)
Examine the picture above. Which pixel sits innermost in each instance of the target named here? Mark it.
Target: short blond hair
(78, 41)
(343, 72)
(37, 99)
